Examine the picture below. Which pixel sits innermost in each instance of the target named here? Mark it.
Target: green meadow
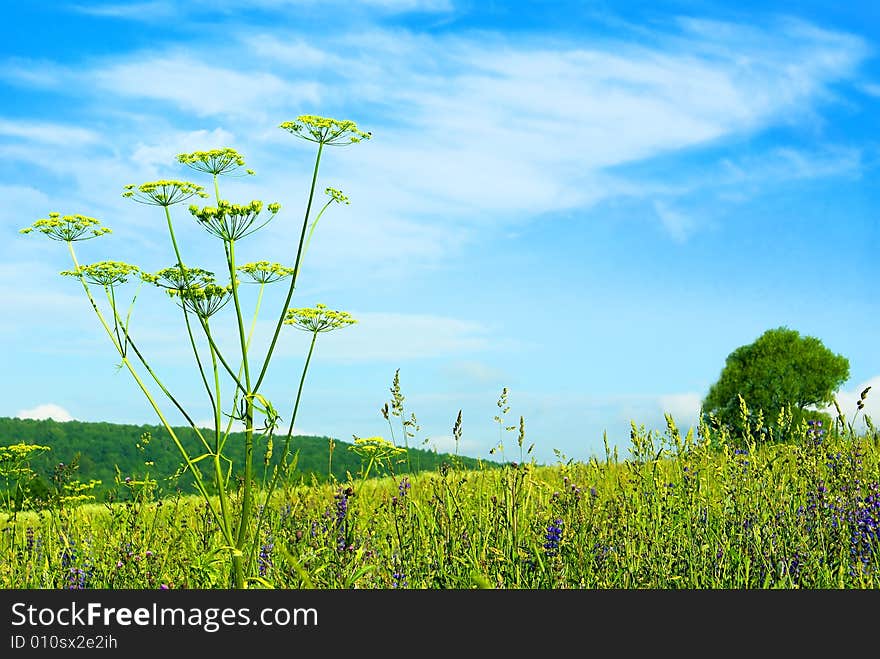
(703, 510)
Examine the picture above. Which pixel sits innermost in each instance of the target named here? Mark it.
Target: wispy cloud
(201, 88)
(387, 5)
(781, 164)
(161, 154)
(154, 10)
(29, 72)
(679, 225)
(381, 336)
(144, 11)
(496, 129)
(47, 133)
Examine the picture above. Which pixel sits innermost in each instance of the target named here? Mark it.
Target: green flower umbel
(264, 272)
(337, 196)
(232, 221)
(177, 279)
(322, 130)
(104, 273)
(68, 228)
(216, 161)
(205, 300)
(164, 193)
(318, 319)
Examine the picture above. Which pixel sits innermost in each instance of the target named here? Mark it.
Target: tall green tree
(779, 369)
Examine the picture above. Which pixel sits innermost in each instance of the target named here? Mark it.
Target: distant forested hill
(102, 447)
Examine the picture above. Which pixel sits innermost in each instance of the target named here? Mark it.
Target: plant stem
(282, 463)
(130, 342)
(296, 268)
(241, 366)
(247, 497)
(193, 469)
(218, 469)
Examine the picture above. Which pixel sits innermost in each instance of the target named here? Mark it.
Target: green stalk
(192, 342)
(299, 252)
(218, 470)
(247, 498)
(130, 342)
(143, 387)
(282, 463)
(241, 367)
(183, 306)
(312, 230)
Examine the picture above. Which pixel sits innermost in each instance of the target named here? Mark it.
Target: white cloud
(380, 336)
(849, 398)
(155, 10)
(447, 444)
(296, 52)
(32, 73)
(162, 153)
(679, 225)
(145, 11)
(46, 411)
(48, 133)
(497, 129)
(786, 164)
(684, 408)
(201, 88)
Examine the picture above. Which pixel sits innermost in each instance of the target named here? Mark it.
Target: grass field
(678, 512)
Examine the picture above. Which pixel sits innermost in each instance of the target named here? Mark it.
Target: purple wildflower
(553, 537)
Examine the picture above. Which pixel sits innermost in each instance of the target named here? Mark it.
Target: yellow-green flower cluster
(68, 228)
(177, 279)
(104, 273)
(264, 272)
(78, 492)
(20, 451)
(318, 319)
(337, 196)
(216, 161)
(15, 460)
(375, 447)
(232, 221)
(322, 130)
(205, 300)
(163, 193)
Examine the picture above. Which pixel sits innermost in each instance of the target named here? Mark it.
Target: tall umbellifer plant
(200, 297)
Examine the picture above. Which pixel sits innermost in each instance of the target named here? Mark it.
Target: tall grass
(699, 511)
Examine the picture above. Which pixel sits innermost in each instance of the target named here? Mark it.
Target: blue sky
(589, 203)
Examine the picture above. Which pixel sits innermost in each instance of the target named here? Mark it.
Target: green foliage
(110, 453)
(781, 370)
